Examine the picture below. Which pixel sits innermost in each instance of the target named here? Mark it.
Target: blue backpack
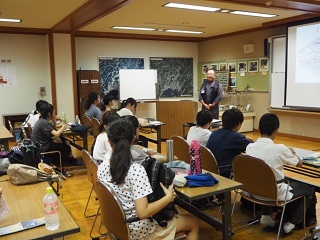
(157, 172)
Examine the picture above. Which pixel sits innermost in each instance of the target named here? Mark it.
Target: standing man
(211, 94)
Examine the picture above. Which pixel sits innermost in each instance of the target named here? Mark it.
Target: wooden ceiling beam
(31, 31)
(88, 13)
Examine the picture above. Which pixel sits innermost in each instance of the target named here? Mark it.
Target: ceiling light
(254, 14)
(192, 7)
(10, 20)
(225, 10)
(181, 31)
(134, 28)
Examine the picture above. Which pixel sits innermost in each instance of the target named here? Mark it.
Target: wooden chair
(29, 128)
(259, 180)
(87, 121)
(14, 132)
(181, 148)
(86, 156)
(208, 160)
(95, 130)
(112, 213)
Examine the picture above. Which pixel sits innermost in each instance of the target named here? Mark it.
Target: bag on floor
(21, 174)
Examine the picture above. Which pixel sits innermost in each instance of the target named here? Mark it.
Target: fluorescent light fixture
(192, 7)
(10, 20)
(253, 14)
(181, 31)
(135, 28)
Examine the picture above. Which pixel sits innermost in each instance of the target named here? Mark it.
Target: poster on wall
(109, 68)
(175, 76)
(8, 75)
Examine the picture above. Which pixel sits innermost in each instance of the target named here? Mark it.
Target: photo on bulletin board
(205, 69)
(222, 66)
(263, 64)
(233, 82)
(242, 66)
(214, 66)
(203, 79)
(232, 67)
(252, 66)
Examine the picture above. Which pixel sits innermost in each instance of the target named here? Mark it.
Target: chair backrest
(208, 160)
(256, 175)
(86, 156)
(95, 127)
(29, 128)
(86, 120)
(181, 148)
(112, 214)
(24, 134)
(94, 169)
(11, 128)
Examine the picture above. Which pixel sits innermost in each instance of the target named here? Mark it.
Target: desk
(25, 203)
(69, 135)
(5, 136)
(157, 127)
(225, 186)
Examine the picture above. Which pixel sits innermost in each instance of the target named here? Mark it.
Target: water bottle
(63, 117)
(77, 121)
(50, 202)
(170, 155)
(195, 158)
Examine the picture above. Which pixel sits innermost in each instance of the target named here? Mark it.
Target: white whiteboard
(139, 84)
(277, 79)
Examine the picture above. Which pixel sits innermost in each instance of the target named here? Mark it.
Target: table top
(26, 203)
(306, 174)
(4, 133)
(223, 186)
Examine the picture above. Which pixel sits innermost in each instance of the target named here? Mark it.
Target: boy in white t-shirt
(201, 131)
(276, 155)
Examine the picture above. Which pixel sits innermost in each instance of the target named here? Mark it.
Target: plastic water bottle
(63, 117)
(77, 121)
(50, 202)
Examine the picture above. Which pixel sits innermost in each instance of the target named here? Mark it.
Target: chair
(112, 213)
(181, 148)
(208, 160)
(87, 121)
(15, 132)
(29, 128)
(94, 170)
(86, 156)
(95, 130)
(259, 180)
(24, 134)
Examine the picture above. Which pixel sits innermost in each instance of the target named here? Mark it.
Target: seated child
(276, 155)
(201, 132)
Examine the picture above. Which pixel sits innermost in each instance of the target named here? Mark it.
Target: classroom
(50, 54)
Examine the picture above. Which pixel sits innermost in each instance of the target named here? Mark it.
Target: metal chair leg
(85, 210)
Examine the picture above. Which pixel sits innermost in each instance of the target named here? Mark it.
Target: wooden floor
(76, 189)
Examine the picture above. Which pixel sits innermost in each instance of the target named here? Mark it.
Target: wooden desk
(225, 186)
(157, 127)
(25, 203)
(5, 136)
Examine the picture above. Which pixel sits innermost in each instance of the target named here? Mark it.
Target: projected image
(308, 54)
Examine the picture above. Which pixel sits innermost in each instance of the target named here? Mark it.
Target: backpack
(157, 172)
(30, 151)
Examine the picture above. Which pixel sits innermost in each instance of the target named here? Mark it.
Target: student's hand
(169, 192)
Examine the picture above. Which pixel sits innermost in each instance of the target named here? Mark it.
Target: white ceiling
(98, 16)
